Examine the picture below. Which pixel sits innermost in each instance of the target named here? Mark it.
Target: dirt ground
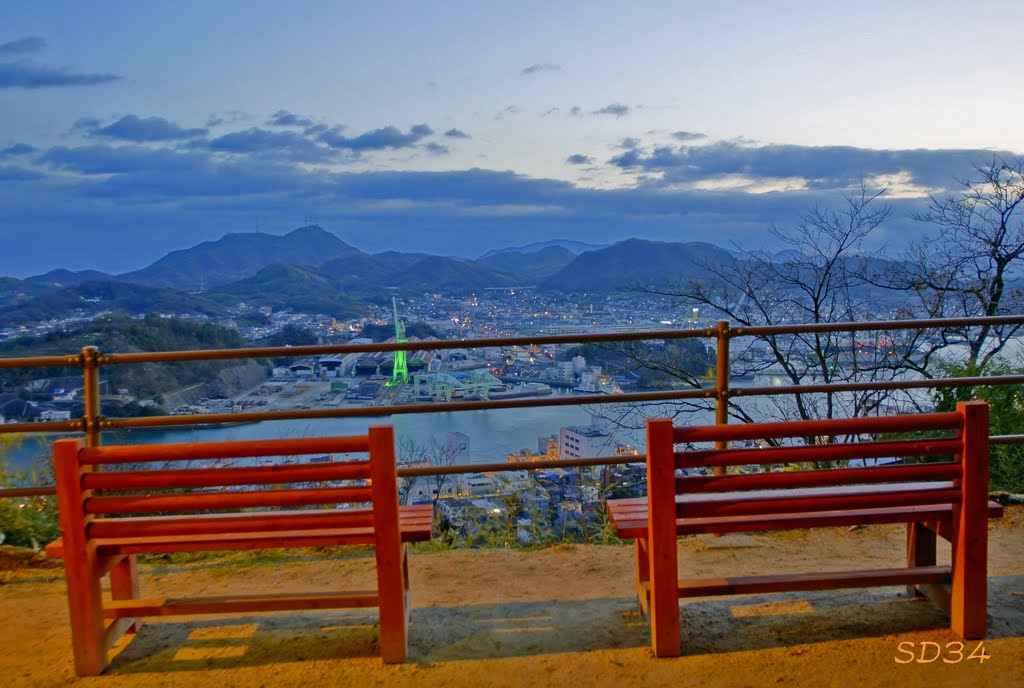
(564, 615)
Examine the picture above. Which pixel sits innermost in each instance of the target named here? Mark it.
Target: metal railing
(91, 360)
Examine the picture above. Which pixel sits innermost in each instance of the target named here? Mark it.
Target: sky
(129, 130)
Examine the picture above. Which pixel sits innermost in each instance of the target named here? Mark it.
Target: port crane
(400, 368)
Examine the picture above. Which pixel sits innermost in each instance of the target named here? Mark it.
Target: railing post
(722, 384)
(90, 361)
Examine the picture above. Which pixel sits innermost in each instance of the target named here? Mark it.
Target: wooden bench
(948, 498)
(109, 516)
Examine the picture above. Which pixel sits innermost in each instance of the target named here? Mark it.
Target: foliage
(25, 521)
(1006, 417)
(121, 334)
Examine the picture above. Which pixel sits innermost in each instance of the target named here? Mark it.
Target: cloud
(19, 174)
(575, 111)
(26, 74)
(579, 159)
(229, 117)
(389, 137)
(550, 111)
(139, 129)
(688, 135)
(539, 68)
(613, 109)
(456, 134)
(22, 46)
(17, 149)
(437, 148)
(510, 110)
(823, 167)
(103, 159)
(280, 145)
(283, 118)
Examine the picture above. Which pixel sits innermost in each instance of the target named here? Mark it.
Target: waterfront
(493, 433)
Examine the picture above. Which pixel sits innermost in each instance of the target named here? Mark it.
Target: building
(584, 442)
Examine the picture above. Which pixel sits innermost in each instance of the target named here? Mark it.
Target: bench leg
(393, 605)
(920, 551)
(85, 607)
(969, 591)
(643, 575)
(666, 634)
(124, 585)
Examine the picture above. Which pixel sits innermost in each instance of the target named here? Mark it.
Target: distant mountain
(637, 260)
(395, 260)
(436, 273)
(530, 267)
(576, 247)
(237, 256)
(371, 276)
(66, 278)
(289, 286)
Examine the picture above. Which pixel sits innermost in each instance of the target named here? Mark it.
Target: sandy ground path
(560, 616)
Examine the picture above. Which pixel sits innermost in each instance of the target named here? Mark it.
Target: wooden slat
(817, 428)
(819, 478)
(416, 523)
(235, 541)
(631, 523)
(786, 504)
(238, 604)
(226, 500)
(217, 477)
(141, 453)
(806, 453)
(251, 522)
(813, 581)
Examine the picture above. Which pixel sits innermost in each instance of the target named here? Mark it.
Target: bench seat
(629, 516)
(415, 522)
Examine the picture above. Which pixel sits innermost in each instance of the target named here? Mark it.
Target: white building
(584, 442)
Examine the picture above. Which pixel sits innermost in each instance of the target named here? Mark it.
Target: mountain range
(312, 270)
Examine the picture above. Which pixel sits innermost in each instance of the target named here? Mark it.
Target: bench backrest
(960, 480)
(130, 499)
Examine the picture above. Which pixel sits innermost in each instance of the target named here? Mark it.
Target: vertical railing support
(90, 361)
(722, 384)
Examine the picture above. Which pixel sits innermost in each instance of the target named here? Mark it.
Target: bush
(25, 521)
(1006, 417)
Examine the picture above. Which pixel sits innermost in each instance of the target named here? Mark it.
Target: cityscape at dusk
(501, 339)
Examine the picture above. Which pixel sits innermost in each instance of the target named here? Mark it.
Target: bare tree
(819, 272)
(431, 452)
(969, 266)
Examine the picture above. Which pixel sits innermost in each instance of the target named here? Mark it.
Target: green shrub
(25, 521)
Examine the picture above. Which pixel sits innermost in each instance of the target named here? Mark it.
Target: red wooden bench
(949, 498)
(109, 516)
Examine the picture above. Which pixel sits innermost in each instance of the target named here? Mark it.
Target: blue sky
(129, 129)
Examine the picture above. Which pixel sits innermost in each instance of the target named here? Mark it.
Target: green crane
(400, 369)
